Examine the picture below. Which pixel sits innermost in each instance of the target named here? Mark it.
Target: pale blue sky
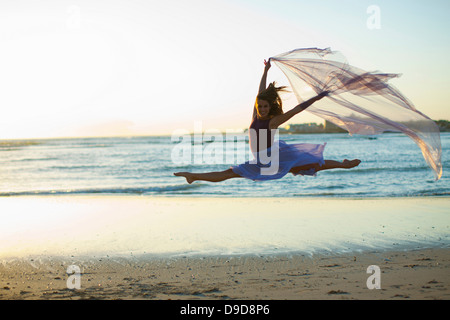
(116, 67)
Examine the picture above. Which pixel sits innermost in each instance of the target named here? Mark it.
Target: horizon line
(149, 135)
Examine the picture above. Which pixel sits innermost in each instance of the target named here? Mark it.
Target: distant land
(444, 125)
(328, 127)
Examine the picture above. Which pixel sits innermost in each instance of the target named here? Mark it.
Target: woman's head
(268, 102)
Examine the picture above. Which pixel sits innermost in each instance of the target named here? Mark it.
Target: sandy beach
(223, 248)
(422, 274)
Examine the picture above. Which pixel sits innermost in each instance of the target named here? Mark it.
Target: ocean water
(392, 166)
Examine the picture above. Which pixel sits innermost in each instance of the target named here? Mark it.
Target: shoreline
(122, 225)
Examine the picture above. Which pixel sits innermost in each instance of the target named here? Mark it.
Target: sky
(128, 67)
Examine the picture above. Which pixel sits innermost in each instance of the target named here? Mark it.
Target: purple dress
(274, 159)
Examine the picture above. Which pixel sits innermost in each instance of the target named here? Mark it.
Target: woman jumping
(303, 159)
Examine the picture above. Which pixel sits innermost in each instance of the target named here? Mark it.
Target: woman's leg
(208, 176)
(329, 164)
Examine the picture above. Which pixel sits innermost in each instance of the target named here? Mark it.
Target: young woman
(268, 115)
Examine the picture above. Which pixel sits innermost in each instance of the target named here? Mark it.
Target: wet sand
(223, 249)
(422, 274)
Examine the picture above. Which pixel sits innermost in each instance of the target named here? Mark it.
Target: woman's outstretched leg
(208, 176)
(329, 164)
(346, 164)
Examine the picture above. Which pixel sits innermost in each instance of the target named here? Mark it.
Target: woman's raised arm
(262, 84)
(282, 118)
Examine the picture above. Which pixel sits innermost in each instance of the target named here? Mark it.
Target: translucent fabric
(360, 102)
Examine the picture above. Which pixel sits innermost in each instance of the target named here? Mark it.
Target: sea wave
(19, 143)
(200, 190)
(375, 195)
(132, 190)
(34, 159)
(380, 169)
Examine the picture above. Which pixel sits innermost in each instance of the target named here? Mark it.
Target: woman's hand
(267, 64)
(262, 84)
(323, 94)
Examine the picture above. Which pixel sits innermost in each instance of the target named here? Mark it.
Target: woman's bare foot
(348, 164)
(189, 176)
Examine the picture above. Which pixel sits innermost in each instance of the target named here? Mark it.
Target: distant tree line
(444, 125)
(329, 127)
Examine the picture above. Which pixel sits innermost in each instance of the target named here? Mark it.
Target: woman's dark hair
(271, 96)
